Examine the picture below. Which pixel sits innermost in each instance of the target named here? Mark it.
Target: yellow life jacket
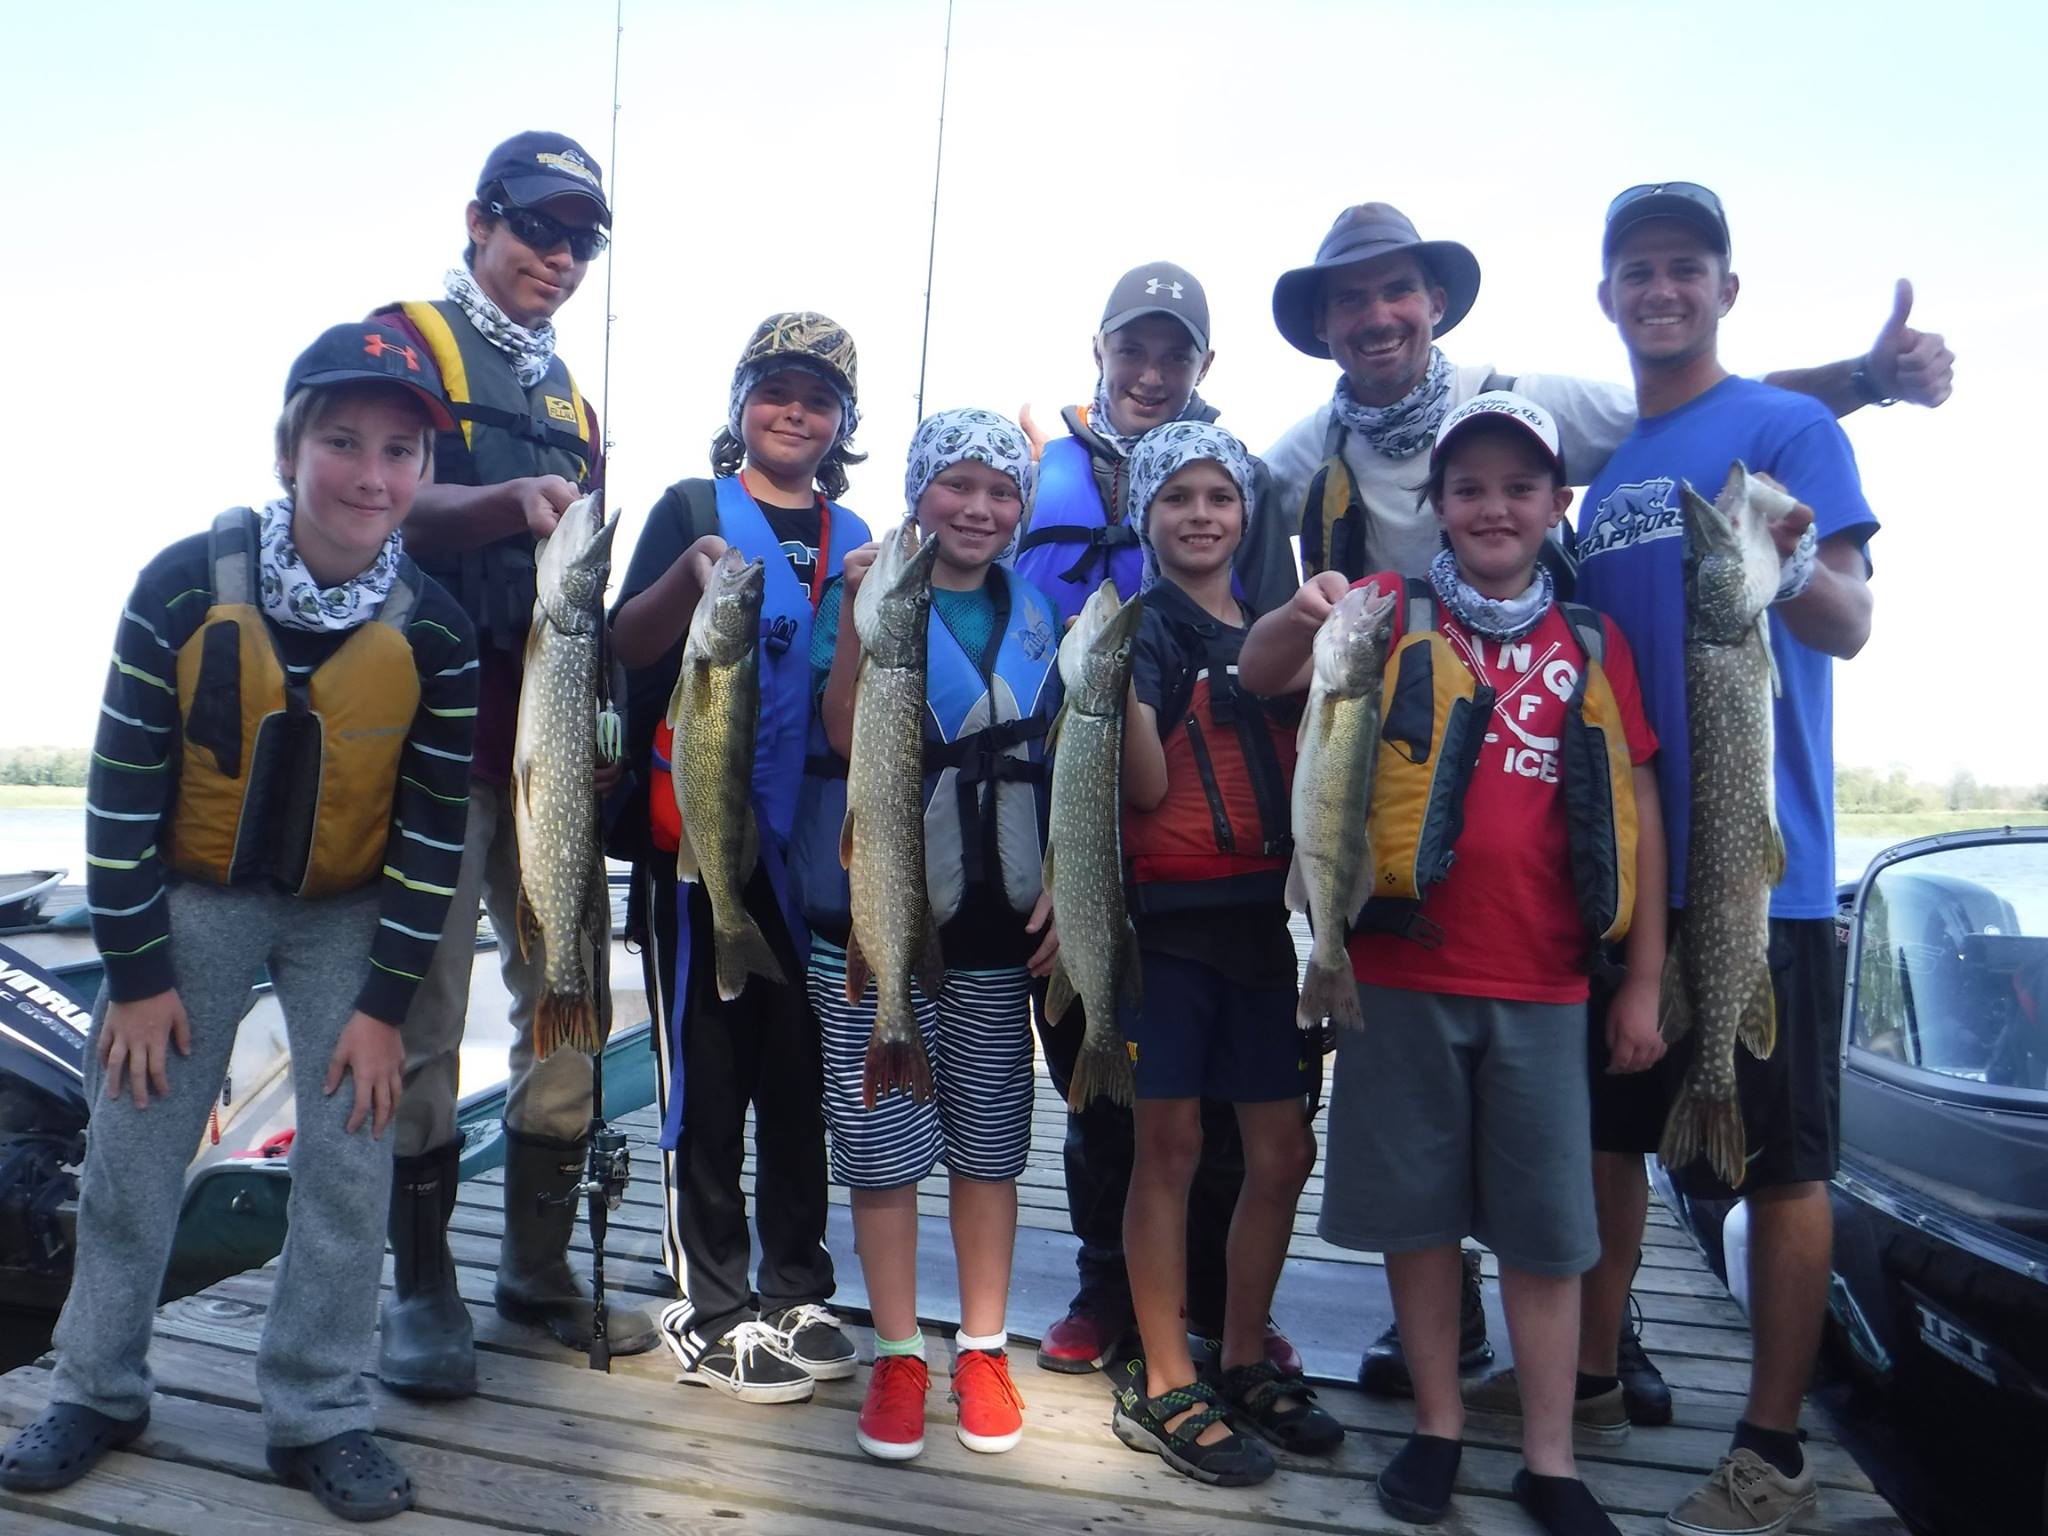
(283, 778)
(1434, 720)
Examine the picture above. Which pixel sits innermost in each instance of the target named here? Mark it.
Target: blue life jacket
(1071, 543)
(983, 744)
(779, 738)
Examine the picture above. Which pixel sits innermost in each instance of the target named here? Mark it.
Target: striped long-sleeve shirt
(133, 780)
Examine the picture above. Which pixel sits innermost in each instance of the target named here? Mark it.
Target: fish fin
(743, 951)
(1674, 1008)
(1297, 885)
(846, 840)
(1710, 1126)
(1059, 992)
(1759, 1027)
(688, 866)
(525, 925)
(1052, 732)
(893, 1065)
(1131, 974)
(1045, 869)
(931, 965)
(1102, 1071)
(1328, 993)
(1774, 861)
(856, 969)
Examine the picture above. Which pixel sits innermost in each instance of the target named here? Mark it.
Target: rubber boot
(535, 1284)
(424, 1345)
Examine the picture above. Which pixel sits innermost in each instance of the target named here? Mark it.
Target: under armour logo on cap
(376, 345)
(1156, 285)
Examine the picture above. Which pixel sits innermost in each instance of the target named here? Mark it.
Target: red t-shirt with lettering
(1509, 917)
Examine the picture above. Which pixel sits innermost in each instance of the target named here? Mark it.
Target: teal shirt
(971, 616)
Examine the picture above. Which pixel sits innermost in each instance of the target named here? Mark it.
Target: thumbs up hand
(1907, 364)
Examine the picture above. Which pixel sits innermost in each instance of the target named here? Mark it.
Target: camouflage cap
(801, 333)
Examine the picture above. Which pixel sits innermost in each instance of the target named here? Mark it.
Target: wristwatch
(1864, 382)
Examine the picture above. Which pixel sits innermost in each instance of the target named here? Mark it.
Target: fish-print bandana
(1163, 453)
(1405, 428)
(945, 438)
(529, 349)
(1496, 618)
(1123, 442)
(288, 592)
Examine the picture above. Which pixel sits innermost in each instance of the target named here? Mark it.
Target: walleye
(882, 842)
(563, 900)
(1332, 872)
(1717, 977)
(713, 714)
(1098, 955)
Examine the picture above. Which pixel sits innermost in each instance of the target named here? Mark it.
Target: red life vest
(1222, 834)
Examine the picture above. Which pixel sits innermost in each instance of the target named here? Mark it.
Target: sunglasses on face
(545, 233)
(1691, 191)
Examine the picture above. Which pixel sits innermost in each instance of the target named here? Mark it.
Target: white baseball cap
(1498, 404)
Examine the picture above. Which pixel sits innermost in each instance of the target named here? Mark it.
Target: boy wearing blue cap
(279, 781)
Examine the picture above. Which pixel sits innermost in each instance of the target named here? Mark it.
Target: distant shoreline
(15, 797)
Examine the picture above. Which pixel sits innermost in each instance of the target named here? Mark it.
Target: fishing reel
(610, 1168)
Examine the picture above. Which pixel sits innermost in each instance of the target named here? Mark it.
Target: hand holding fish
(1042, 958)
(541, 500)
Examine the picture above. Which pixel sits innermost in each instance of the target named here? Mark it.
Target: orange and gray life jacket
(503, 432)
(1336, 524)
(1223, 834)
(281, 777)
(1434, 719)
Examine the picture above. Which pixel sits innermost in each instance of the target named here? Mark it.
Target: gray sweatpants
(544, 1098)
(324, 1306)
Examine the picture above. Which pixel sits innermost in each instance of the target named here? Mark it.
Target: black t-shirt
(1177, 638)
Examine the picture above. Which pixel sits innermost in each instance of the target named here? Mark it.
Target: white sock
(1000, 1339)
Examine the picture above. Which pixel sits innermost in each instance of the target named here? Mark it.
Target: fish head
(1095, 654)
(893, 605)
(1731, 559)
(1351, 646)
(572, 565)
(728, 617)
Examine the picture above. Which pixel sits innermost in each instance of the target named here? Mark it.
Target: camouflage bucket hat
(801, 334)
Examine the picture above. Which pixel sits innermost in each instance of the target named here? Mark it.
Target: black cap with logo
(533, 167)
(368, 353)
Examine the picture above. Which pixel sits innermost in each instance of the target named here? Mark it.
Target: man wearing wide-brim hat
(1376, 300)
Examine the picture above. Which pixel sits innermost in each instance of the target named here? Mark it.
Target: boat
(22, 895)
(1938, 1304)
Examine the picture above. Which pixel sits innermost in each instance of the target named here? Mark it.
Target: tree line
(1893, 793)
(43, 765)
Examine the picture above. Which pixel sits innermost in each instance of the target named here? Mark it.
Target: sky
(201, 189)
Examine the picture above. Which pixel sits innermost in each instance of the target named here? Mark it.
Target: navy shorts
(1200, 1035)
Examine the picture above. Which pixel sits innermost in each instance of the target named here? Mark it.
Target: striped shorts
(978, 1040)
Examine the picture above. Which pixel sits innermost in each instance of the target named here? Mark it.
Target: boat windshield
(1952, 972)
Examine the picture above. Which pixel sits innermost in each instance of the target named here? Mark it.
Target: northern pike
(1084, 859)
(1332, 872)
(713, 713)
(882, 842)
(564, 904)
(1717, 976)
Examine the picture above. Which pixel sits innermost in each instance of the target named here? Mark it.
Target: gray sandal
(351, 1474)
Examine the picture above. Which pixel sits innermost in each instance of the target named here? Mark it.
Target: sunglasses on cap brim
(1691, 191)
(544, 232)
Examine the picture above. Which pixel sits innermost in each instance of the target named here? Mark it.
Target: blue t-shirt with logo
(1631, 551)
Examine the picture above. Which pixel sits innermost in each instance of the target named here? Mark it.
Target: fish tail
(1102, 1070)
(1329, 992)
(565, 1021)
(894, 1064)
(1712, 1126)
(743, 951)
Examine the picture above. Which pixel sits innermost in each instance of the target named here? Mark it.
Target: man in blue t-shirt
(1666, 284)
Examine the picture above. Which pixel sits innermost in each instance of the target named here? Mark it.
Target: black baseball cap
(533, 167)
(1159, 288)
(369, 353)
(1686, 201)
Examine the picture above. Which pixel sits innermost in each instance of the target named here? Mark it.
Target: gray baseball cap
(1159, 288)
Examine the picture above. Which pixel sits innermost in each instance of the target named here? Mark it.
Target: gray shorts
(1455, 1117)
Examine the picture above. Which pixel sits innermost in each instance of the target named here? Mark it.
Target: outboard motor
(43, 1111)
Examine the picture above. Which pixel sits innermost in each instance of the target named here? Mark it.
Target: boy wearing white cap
(1460, 1109)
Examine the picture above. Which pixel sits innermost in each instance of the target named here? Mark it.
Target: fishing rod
(609, 1168)
(931, 254)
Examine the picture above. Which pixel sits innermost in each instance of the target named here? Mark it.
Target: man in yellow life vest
(525, 445)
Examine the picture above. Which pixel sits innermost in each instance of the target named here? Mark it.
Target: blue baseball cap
(369, 353)
(533, 167)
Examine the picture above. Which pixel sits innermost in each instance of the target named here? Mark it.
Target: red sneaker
(991, 1407)
(892, 1415)
(1078, 1343)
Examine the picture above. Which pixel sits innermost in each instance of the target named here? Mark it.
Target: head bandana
(753, 371)
(945, 438)
(1163, 453)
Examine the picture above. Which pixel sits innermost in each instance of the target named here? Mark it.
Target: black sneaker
(1644, 1396)
(1383, 1369)
(810, 1337)
(743, 1361)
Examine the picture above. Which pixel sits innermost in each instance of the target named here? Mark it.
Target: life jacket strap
(1098, 544)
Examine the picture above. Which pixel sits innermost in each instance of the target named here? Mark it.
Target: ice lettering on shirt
(1633, 514)
(1531, 689)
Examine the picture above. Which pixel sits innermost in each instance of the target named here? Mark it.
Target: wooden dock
(547, 1446)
